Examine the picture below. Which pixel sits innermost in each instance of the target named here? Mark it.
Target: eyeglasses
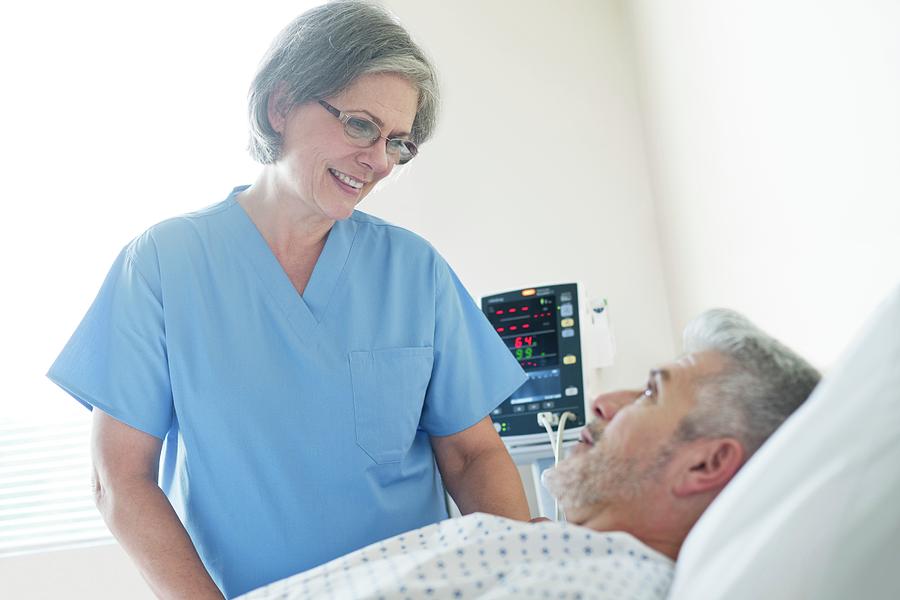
(364, 133)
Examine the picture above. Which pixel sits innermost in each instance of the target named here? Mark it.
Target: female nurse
(279, 379)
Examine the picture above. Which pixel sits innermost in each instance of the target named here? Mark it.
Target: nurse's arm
(479, 473)
(125, 467)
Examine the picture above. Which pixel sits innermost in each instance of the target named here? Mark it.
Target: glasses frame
(344, 118)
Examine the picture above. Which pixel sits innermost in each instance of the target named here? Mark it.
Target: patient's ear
(708, 465)
(278, 107)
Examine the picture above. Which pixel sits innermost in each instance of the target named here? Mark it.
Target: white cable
(546, 423)
(559, 442)
(556, 443)
(559, 432)
(544, 419)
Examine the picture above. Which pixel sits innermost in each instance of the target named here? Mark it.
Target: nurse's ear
(278, 107)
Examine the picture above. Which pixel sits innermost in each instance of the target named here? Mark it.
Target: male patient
(648, 466)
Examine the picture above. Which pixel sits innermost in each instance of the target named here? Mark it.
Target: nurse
(279, 379)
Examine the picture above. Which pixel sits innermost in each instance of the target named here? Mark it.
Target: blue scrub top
(296, 428)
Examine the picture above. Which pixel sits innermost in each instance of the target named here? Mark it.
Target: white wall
(537, 173)
(773, 132)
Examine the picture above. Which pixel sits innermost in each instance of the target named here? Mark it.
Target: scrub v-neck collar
(304, 311)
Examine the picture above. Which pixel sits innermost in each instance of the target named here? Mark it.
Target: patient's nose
(606, 406)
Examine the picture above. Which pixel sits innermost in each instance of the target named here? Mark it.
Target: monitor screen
(540, 327)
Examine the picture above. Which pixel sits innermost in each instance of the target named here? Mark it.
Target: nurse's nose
(605, 406)
(376, 158)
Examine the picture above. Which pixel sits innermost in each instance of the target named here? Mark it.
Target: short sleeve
(116, 359)
(473, 370)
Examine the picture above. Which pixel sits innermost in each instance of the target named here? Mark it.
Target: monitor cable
(556, 441)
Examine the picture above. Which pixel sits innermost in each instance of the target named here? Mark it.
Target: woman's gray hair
(762, 383)
(323, 51)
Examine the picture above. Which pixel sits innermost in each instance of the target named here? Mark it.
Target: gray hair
(762, 383)
(323, 51)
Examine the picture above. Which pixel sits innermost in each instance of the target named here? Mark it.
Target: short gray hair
(323, 51)
(762, 383)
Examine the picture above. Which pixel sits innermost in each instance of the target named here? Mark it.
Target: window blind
(45, 490)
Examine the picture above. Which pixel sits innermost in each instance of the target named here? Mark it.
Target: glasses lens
(404, 150)
(362, 130)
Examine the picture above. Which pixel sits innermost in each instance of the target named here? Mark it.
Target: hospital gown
(485, 556)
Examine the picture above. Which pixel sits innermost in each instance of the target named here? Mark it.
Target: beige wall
(538, 173)
(773, 133)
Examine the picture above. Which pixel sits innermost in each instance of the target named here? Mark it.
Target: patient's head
(653, 459)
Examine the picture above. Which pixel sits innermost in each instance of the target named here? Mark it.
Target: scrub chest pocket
(388, 392)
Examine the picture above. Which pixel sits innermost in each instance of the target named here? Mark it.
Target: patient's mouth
(586, 437)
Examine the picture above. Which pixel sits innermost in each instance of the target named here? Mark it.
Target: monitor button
(571, 391)
(566, 310)
(569, 359)
(567, 322)
(568, 332)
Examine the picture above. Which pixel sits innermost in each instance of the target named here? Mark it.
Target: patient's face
(626, 449)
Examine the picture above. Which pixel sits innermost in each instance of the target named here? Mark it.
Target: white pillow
(816, 512)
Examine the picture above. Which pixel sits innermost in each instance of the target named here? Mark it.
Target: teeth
(354, 183)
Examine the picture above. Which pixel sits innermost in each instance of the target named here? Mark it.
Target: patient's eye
(648, 394)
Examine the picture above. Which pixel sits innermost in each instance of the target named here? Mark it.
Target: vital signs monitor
(541, 327)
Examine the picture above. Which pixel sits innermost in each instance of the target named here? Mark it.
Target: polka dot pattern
(484, 556)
